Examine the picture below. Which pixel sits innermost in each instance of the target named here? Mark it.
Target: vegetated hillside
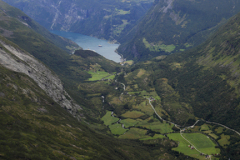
(203, 81)
(172, 26)
(106, 19)
(33, 126)
(9, 13)
(22, 32)
(55, 58)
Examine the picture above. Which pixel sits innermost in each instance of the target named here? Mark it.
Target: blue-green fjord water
(86, 42)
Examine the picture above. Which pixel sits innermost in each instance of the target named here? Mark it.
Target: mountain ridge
(103, 19)
(173, 26)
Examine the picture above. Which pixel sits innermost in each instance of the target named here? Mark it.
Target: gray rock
(2, 94)
(22, 62)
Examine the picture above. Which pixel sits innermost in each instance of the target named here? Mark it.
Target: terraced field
(130, 122)
(133, 114)
(135, 133)
(156, 126)
(139, 122)
(108, 119)
(117, 129)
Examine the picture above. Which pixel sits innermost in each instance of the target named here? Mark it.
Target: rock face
(19, 61)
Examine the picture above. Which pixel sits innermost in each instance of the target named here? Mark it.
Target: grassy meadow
(108, 119)
(96, 76)
(200, 141)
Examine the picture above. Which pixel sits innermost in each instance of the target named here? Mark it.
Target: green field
(160, 46)
(135, 133)
(121, 12)
(204, 127)
(152, 94)
(129, 122)
(144, 107)
(117, 129)
(98, 75)
(111, 77)
(156, 136)
(146, 94)
(157, 126)
(200, 141)
(132, 114)
(219, 130)
(108, 119)
(224, 140)
(130, 62)
(210, 133)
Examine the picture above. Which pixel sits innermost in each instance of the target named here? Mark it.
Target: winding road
(124, 87)
(182, 130)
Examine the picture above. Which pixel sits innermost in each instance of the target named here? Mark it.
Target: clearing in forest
(98, 75)
(133, 114)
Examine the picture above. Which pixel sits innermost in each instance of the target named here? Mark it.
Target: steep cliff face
(104, 19)
(172, 26)
(20, 61)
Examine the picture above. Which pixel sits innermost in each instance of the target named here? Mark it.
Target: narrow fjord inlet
(102, 47)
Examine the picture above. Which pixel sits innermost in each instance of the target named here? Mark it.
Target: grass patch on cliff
(121, 12)
(96, 76)
(158, 47)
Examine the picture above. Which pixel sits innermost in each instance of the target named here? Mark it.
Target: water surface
(86, 42)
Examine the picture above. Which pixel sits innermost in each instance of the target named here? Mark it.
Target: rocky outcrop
(20, 61)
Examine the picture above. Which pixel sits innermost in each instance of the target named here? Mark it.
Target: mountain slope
(203, 81)
(206, 77)
(172, 26)
(19, 61)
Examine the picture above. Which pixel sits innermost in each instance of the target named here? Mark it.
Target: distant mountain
(106, 19)
(172, 26)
